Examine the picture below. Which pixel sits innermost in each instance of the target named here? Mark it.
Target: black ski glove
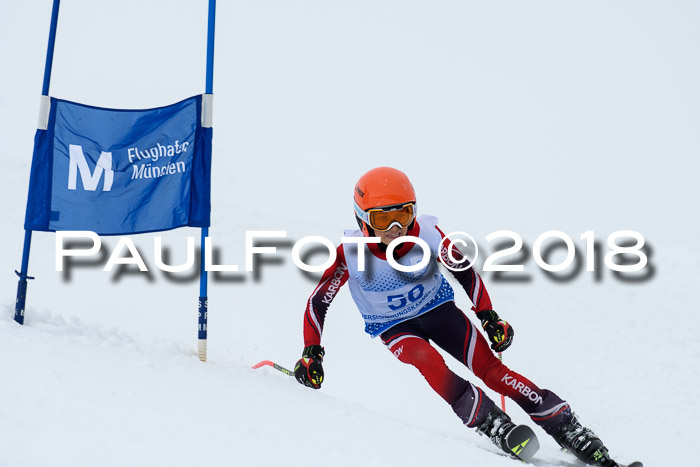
(500, 332)
(309, 369)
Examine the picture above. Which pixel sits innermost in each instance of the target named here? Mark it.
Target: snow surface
(532, 116)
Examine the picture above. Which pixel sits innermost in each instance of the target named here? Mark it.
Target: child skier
(409, 309)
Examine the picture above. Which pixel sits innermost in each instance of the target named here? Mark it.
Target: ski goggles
(383, 219)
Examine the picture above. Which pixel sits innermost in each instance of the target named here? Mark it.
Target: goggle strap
(364, 216)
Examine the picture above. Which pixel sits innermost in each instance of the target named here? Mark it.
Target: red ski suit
(450, 329)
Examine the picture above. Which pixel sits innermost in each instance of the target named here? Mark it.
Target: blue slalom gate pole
(208, 101)
(22, 283)
(49, 50)
(209, 89)
(22, 273)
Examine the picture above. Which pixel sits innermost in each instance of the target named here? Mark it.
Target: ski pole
(503, 398)
(273, 365)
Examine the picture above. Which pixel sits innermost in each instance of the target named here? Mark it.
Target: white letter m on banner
(90, 180)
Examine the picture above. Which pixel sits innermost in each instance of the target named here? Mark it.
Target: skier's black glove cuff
(309, 369)
(500, 332)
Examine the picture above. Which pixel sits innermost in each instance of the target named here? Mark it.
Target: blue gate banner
(120, 171)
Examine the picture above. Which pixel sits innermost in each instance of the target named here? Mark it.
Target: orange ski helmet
(384, 196)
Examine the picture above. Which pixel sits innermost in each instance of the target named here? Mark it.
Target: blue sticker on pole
(116, 172)
(202, 317)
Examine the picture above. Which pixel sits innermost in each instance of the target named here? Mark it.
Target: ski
(616, 464)
(522, 442)
(606, 459)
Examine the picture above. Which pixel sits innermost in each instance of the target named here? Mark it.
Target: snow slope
(110, 399)
(527, 117)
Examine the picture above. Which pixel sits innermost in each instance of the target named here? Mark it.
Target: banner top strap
(207, 110)
(44, 110)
